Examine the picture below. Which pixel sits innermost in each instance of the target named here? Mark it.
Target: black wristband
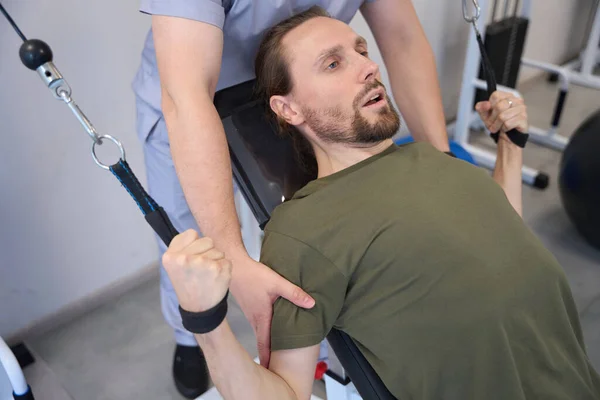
(205, 321)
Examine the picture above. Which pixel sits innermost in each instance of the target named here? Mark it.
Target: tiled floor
(123, 350)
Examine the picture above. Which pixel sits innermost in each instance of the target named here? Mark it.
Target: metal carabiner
(100, 141)
(466, 16)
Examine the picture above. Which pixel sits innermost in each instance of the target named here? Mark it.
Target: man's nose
(369, 71)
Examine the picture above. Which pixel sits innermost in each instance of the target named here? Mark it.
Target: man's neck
(333, 158)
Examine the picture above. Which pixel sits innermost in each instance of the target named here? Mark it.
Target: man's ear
(286, 110)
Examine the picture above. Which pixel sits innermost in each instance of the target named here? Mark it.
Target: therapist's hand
(200, 274)
(256, 287)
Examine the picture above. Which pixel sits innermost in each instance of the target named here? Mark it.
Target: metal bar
(563, 73)
(487, 160)
(591, 49)
(494, 10)
(575, 64)
(516, 8)
(590, 81)
(471, 69)
(480, 84)
(549, 138)
(506, 6)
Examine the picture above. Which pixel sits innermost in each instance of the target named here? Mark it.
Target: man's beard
(329, 124)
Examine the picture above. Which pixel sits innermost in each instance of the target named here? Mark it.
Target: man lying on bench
(421, 258)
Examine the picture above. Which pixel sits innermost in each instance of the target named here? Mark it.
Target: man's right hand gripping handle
(189, 62)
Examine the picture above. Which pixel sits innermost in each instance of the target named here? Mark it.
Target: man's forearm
(413, 76)
(201, 157)
(235, 374)
(507, 173)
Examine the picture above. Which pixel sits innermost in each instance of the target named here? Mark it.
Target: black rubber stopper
(26, 396)
(23, 355)
(552, 77)
(541, 181)
(34, 53)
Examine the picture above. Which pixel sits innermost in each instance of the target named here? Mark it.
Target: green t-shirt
(420, 258)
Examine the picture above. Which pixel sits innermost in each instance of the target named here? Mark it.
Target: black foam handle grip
(518, 138)
(160, 222)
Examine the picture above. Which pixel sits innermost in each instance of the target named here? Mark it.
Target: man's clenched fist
(200, 274)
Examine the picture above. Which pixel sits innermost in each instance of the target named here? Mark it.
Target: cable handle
(518, 138)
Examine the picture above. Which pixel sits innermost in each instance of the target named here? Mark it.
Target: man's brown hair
(272, 71)
(271, 67)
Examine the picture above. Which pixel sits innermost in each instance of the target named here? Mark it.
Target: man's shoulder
(294, 226)
(290, 219)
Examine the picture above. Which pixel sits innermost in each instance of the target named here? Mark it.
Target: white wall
(67, 228)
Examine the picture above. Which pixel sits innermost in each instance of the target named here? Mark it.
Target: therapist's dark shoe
(190, 371)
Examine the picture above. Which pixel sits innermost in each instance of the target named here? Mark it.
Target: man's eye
(365, 53)
(332, 65)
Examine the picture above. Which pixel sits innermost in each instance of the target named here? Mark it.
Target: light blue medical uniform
(244, 23)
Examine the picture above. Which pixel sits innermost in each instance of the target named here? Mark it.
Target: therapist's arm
(189, 62)
(410, 63)
(201, 276)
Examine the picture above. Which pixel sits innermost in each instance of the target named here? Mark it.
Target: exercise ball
(579, 179)
(455, 148)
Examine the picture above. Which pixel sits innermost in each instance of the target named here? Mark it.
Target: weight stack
(504, 43)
